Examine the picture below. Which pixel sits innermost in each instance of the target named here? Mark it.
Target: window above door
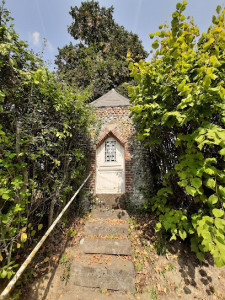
(110, 151)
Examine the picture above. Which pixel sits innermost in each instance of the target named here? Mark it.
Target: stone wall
(115, 121)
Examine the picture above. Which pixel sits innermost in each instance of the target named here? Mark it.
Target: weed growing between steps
(65, 261)
(170, 270)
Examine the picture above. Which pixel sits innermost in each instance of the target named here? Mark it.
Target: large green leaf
(222, 152)
(218, 212)
(155, 44)
(183, 234)
(220, 223)
(196, 182)
(213, 199)
(210, 183)
(192, 191)
(219, 259)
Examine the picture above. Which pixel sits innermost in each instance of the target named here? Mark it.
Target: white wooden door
(110, 168)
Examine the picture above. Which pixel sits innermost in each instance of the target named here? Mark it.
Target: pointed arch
(110, 133)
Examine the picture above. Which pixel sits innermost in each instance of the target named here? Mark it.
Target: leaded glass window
(110, 151)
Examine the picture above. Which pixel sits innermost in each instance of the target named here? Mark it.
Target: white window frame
(110, 156)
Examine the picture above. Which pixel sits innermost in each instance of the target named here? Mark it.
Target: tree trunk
(51, 211)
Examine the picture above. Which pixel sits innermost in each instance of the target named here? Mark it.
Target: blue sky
(38, 19)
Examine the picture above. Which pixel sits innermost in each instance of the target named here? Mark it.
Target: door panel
(110, 168)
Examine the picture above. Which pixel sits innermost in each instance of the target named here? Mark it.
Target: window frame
(110, 152)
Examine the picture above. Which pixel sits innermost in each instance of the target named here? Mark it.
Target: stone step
(104, 229)
(106, 246)
(104, 272)
(104, 214)
(84, 293)
(112, 201)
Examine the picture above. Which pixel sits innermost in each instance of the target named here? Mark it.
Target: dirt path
(175, 275)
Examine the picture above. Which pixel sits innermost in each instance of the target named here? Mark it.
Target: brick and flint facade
(113, 120)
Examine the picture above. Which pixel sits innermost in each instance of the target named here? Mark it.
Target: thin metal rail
(11, 284)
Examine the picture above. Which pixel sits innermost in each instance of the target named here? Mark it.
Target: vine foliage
(179, 110)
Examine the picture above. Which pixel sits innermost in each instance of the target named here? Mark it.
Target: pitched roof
(112, 98)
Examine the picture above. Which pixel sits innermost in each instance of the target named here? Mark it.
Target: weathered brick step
(106, 246)
(103, 214)
(93, 228)
(113, 274)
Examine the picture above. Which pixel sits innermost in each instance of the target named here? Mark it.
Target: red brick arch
(110, 133)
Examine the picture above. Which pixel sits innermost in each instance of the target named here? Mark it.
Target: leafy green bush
(179, 110)
(43, 144)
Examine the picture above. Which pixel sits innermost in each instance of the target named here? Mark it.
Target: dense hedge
(179, 110)
(43, 144)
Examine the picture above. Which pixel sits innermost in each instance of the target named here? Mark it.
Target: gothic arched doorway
(110, 165)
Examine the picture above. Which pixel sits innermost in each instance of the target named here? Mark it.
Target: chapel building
(119, 161)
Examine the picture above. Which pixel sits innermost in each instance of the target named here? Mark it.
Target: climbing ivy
(179, 110)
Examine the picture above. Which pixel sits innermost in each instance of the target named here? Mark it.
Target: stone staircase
(105, 260)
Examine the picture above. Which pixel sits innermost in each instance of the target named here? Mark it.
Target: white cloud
(41, 44)
(35, 38)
